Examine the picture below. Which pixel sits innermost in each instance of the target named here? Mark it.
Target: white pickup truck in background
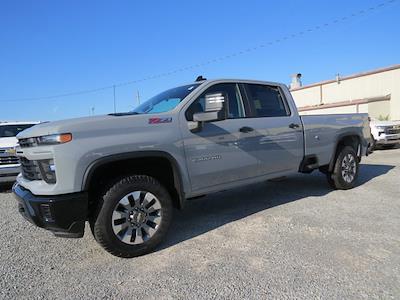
(385, 133)
(9, 164)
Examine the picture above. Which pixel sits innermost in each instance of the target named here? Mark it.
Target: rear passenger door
(278, 136)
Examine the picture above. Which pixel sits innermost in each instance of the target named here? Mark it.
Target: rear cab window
(266, 101)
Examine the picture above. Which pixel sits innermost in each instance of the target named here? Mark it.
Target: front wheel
(345, 171)
(133, 217)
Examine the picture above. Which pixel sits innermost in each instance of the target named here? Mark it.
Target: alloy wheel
(136, 217)
(349, 168)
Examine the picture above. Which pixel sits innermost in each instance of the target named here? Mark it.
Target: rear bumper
(8, 173)
(64, 215)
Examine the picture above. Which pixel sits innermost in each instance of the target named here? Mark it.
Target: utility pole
(115, 105)
(138, 97)
(92, 110)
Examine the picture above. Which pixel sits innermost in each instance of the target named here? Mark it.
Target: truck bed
(322, 131)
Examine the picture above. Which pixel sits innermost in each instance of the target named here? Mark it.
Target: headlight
(54, 139)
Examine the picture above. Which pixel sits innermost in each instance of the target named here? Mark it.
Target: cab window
(266, 101)
(234, 102)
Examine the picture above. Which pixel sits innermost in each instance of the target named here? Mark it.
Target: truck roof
(237, 80)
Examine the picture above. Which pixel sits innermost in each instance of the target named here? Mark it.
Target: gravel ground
(289, 239)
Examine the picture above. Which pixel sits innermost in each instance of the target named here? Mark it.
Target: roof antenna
(200, 78)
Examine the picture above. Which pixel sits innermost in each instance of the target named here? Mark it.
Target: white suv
(9, 164)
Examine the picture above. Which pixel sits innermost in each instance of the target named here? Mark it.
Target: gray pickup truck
(124, 173)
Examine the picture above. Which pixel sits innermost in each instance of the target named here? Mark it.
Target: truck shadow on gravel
(210, 212)
(5, 188)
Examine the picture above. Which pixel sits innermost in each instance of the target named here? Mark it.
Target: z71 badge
(159, 120)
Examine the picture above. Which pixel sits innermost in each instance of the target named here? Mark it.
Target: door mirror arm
(195, 126)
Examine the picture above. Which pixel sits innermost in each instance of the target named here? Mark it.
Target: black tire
(331, 182)
(102, 222)
(325, 170)
(344, 178)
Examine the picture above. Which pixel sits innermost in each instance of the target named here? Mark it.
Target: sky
(50, 48)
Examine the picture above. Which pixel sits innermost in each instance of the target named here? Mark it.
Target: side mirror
(206, 116)
(214, 109)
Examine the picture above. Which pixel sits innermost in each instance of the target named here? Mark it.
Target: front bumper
(8, 173)
(388, 139)
(64, 215)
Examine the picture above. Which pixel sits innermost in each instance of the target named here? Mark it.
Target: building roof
(344, 103)
(380, 70)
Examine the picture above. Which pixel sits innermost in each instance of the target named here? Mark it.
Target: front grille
(8, 175)
(8, 160)
(392, 130)
(25, 143)
(30, 169)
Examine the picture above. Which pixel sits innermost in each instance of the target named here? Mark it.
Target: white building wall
(356, 87)
(309, 96)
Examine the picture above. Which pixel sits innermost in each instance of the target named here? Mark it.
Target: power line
(212, 61)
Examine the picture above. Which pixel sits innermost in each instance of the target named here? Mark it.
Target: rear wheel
(345, 171)
(133, 217)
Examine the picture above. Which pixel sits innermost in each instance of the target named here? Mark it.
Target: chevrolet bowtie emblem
(11, 151)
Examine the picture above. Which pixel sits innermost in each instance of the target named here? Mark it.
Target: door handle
(246, 129)
(294, 126)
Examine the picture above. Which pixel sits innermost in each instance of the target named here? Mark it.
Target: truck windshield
(165, 101)
(12, 130)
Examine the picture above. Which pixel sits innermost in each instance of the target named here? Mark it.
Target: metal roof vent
(296, 81)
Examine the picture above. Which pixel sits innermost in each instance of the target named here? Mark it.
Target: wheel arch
(352, 139)
(132, 157)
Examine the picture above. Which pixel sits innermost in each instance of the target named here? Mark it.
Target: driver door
(219, 153)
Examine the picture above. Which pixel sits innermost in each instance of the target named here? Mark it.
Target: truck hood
(8, 142)
(384, 123)
(105, 124)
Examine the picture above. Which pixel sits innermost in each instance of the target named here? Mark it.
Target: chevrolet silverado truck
(9, 163)
(125, 173)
